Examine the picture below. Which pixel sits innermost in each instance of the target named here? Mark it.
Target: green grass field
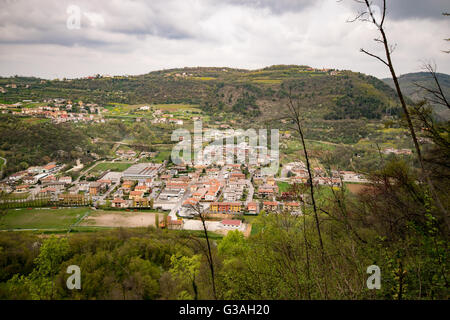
(41, 218)
(256, 228)
(283, 186)
(1, 163)
(117, 167)
(162, 155)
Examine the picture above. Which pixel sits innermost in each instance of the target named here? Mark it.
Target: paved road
(82, 173)
(251, 192)
(173, 212)
(103, 197)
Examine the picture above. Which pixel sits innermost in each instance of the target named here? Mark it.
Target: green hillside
(329, 94)
(408, 84)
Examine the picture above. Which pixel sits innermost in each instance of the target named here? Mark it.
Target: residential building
(134, 195)
(233, 224)
(253, 207)
(226, 207)
(66, 180)
(270, 206)
(119, 203)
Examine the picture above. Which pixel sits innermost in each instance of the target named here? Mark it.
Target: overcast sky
(118, 37)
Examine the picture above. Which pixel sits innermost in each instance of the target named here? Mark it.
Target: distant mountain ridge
(407, 84)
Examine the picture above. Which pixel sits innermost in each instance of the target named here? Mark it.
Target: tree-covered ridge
(413, 84)
(248, 92)
(26, 144)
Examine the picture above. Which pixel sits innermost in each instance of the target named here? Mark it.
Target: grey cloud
(276, 6)
(405, 9)
(409, 9)
(135, 36)
(44, 21)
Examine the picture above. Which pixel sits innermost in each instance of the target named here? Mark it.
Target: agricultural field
(36, 218)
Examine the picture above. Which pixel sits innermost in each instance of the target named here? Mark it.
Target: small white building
(231, 224)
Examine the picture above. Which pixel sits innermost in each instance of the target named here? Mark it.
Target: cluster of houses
(58, 116)
(37, 181)
(168, 120)
(58, 110)
(222, 191)
(300, 175)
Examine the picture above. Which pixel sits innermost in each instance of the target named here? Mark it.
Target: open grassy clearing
(41, 218)
(283, 186)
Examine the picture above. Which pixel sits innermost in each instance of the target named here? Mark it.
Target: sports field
(116, 219)
(37, 218)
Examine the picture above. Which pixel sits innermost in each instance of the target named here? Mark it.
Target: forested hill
(327, 94)
(408, 84)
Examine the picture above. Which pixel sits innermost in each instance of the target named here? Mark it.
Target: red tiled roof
(232, 222)
(253, 205)
(190, 201)
(226, 204)
(292, 204)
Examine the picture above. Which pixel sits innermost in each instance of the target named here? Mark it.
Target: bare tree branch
(372, 55)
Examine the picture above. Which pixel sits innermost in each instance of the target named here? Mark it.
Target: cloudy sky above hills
(115, 37)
